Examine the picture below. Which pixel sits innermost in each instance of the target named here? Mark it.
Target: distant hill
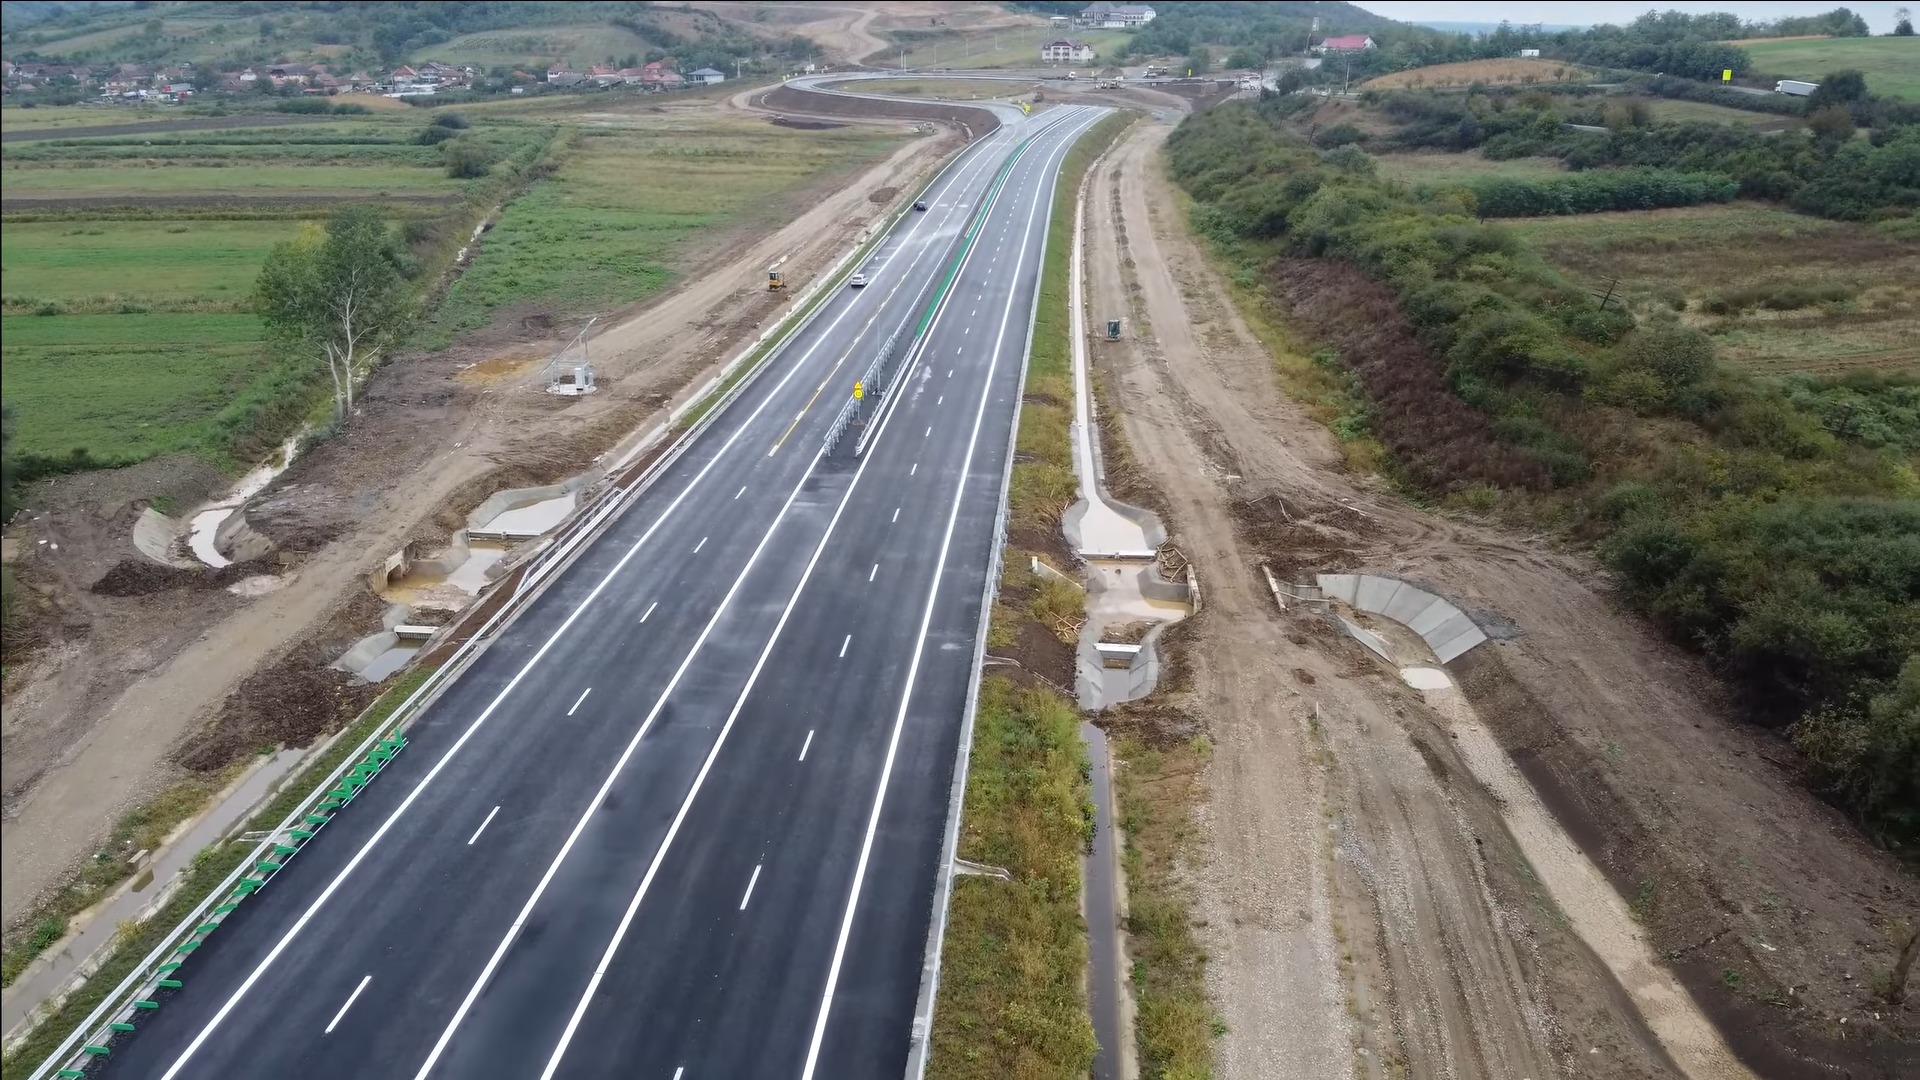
(1490, 27)
(25, 13)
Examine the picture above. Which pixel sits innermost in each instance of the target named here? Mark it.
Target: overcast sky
(1879, 15)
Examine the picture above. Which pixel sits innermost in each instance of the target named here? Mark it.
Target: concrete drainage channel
(538, 559)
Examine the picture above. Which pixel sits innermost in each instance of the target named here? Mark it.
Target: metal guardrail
(157, 971)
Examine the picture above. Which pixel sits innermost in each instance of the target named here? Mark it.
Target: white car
(858, 281)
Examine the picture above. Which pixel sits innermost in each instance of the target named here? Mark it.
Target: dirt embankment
(125, 691)
(1337, 804)
(785, 99)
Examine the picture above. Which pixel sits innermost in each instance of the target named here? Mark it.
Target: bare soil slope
(1455, 962)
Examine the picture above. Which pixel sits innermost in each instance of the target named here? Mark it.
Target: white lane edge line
(379, 834)
(913, 671)
(483, 826)
(649, 611)
(750, 884)
(805, 745)
(578, 700)
(335, 1022)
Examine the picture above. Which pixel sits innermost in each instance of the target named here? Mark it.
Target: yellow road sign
(1726, 74)
(858, 391)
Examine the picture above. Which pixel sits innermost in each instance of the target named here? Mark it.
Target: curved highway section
(686, 817)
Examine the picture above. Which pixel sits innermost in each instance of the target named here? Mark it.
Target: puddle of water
(1425, 678)
(471, 576)
(206, 522)
(533, 518)
(388, 662)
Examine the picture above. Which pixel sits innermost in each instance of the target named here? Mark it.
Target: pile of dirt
(1296, 540)
(1034, 648)
(144, 577)
(292, 701)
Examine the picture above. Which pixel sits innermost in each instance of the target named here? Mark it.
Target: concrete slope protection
(685, 816)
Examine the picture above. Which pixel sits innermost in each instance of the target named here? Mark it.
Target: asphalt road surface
(685, 818)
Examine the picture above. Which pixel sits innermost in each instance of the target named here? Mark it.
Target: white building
(1064, 51)
(1116, 16)
(708, 76)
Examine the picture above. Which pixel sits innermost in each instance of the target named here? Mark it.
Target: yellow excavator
(775, 281)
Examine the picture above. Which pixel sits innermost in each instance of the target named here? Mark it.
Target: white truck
(1795, 87)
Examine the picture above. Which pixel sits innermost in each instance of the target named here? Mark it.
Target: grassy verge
(1012, 993)
(209, 868)
(1011, 999)
(1156, 789)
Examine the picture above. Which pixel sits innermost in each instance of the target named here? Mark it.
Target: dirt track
(432, 436)
(1461, 966)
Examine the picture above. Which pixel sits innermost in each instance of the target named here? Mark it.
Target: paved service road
(685, 817)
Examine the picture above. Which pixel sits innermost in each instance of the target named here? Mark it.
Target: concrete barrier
(1447, 630)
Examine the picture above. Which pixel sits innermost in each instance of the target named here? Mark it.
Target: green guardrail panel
(300, 834)
(206, 928)
(171, 965)
(96, 1051)
(117, 1025)
(317, 819)
(229, 906)
(146, 1004)
(188, 947)
(266, 866)
(285, 849)
(66, 1073)
(169, 984)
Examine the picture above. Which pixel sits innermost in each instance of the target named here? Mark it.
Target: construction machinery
(776, 281)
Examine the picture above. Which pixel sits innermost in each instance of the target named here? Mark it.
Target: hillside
(1891, 64)
(484, 35)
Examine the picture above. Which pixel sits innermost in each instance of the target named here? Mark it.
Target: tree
(1902, 22)
(1838, 88)
(339, 292)
(1199, 62)
(468, 158)
(1833, 124)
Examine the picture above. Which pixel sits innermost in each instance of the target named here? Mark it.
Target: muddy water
(388, 662)
(206, 522)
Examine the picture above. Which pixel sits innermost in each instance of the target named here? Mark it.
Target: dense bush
(1593, 192)
(1774, 527)
(468, 158)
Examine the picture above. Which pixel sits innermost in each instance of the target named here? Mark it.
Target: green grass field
(1666, 109)
(1004, 48)
(163, 264)
(1425, 168)
(1741, 271)
(529, 46)
(134, 180)
(591, 237)
(125, 387)
(1892, 64)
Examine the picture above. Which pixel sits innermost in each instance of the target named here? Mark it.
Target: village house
(1066, 51)
(708, 76)
(1115, 16)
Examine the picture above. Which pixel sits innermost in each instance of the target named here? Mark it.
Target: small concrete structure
(1447, 630)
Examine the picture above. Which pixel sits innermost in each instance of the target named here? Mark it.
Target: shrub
(1338, 135)
(434, 135)
(450, 120)
(468, 158)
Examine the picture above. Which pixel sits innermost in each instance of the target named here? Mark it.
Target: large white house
(1063, 51)
(1116, 16)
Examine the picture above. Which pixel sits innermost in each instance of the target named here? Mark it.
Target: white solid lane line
(844, 644)
(913, 672)
(413, 796)
(335, 1022)
(483, 826)
(578, 700)
(750, 882)
(678, 1071)
(700, 778)
(701, 544)
(649, 611)
(805, 745)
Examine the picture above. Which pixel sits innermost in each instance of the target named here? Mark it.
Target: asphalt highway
(684, 819)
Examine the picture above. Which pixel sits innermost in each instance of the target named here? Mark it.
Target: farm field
(1891, 64)
(127, 330)
(590, 43)
(1438, 168)
(1779, 292)
(1491, 72)
(590, 238)
(1004, 47)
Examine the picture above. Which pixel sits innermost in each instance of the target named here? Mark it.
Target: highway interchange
(686, 817)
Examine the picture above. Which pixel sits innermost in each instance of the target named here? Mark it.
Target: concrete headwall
(1447, 630)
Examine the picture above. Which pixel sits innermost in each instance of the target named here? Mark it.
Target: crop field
(1778, 291)
(1891, 64)
(609, 227)
(582, 45)
(1491, 72)
(127, 330)
(1436, 168)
